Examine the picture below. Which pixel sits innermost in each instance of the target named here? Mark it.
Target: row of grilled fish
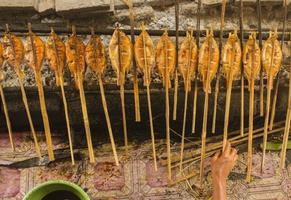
(76, 54)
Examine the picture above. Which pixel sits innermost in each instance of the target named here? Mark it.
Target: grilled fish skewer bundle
(271, 60)
(187, 66)
(14, 54)
(56, 56)
(251, 61)
(34, 54)
(145, 57)
(207, 66)
(96, 60)
(4, 102)
(120, 54)
(231, 62)
(166, 58)
(75, 51)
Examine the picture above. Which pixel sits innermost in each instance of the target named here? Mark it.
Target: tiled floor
(135, 178)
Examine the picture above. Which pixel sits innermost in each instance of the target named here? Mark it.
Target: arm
(221, 166)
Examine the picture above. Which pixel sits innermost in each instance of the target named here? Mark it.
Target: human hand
(223, 163)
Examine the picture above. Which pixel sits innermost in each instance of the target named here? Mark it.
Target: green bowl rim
(51, 182)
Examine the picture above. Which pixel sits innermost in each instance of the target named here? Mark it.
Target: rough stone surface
(62, 6)
(45, 6)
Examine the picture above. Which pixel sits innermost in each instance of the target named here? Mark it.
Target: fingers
(215, 157)
(227, 148)
(233, 152)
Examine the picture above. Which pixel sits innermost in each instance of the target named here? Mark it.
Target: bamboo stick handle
(261, 95)
(273, 108)
(86, 118)
(184, 126)
(266, 124)
(152, 127)
(256, 132)
(167, 113)
(44, 115)
(215, 105)
(204, 132)
(136, 99)
(226, 116)
(212, 149)
(250, 137)
(285, 139)
(104, 104)
(25, 102)
(7, 118)
(124, 118)
(242, 103)
(61, 82)
(194, 106)
(175, 96)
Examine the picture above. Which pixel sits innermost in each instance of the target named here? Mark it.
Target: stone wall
(157, 14)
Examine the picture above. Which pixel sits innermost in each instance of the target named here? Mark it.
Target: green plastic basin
(46, 188)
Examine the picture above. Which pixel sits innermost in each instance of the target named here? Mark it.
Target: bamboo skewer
(67, 119)
(75, 51)
(251, 59)
(85, 117)
(259, 12)
(120, 52)
(104, 103)
(184, 126)
(196, 77)
(211, 149)
(187, 66)
(287, 127)
(272, 65)
(135, 79)
(176, 82)
(275, 95)
(250, 137)
(37, 58)
(25, 102)
(145, 52)
(56, 53)
(208, 64)
(95, 58)
(165, 56)
(17, 60)
(242, 85)
(8, 123)
(231, 63)
(233, 140)
(223, 5)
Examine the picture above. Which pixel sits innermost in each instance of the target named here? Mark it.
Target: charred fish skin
(56, 55)
(95, 55)
(120, 54)
(145, 54)
(272, 57)
(188, 59)
(166, 57)
(34, 62)
(207, 66)
(13, 50)
(231, 57)
(252, 58)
